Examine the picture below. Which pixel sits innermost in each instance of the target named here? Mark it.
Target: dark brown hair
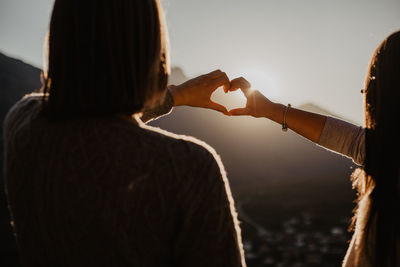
(381, 174)
(104, 57)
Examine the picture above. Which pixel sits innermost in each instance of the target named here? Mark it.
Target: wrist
(174, 90)
(277, 113)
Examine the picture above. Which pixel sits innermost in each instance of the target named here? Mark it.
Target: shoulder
(187, 150)
(26, 104)
(197, 167)
(23, 111)
(31, 99)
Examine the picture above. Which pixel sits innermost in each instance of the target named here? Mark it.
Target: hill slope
(274, 175)
(16, 79)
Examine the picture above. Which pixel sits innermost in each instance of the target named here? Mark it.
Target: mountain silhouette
(177, 76)
(256, 151)
(16, 79)
(277, 172)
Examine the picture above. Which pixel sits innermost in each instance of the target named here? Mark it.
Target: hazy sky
(295, 51)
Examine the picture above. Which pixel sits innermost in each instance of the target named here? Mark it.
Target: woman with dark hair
(376, 222)
(88, 183)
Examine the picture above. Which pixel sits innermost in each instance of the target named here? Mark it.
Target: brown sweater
(112, 192)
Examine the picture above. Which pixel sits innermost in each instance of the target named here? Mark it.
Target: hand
(257, 105)
(197, 92)
(307, 124)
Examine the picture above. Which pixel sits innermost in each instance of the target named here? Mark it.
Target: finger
(226, 81)
(222, 80)
(218, 74)
(239, 111)
(227, 85)
(218, 107)
(240, 83)
(215, 73)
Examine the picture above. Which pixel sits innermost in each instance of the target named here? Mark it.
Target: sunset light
(199, 133)
(264, 81)
(230, 100)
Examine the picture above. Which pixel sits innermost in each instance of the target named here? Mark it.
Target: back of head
(105, 57)
(382, 166)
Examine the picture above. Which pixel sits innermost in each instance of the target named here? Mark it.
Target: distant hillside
(16, 79)
(177, 76)
(316, 109)
(270, 171)
(277, 178)
(254, 151)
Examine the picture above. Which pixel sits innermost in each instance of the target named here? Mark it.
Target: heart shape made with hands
(230, 100)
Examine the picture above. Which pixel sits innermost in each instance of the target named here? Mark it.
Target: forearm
(306, 124)
(333, 134)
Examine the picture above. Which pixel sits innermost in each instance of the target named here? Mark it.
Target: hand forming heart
(257, 105)
(197, 92)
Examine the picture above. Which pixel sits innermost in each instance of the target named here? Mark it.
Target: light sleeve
(344, 138)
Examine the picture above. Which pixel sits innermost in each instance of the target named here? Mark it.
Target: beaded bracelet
(284, 125)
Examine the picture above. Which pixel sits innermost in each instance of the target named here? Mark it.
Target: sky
(294, 51)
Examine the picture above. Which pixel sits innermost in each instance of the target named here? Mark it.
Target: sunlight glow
(260, 79)
(264, 81)
(230, 100)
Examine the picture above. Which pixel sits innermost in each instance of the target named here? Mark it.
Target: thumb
(242, 84)
(218, 107)
(240, 111)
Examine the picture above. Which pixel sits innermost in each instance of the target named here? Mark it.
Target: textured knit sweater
(113, 192)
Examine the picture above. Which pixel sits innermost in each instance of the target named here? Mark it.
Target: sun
(230, 100)
(260, 80)
(263, 81)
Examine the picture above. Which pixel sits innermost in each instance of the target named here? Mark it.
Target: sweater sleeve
(164, 107)
(210, 233)
(344, 138)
